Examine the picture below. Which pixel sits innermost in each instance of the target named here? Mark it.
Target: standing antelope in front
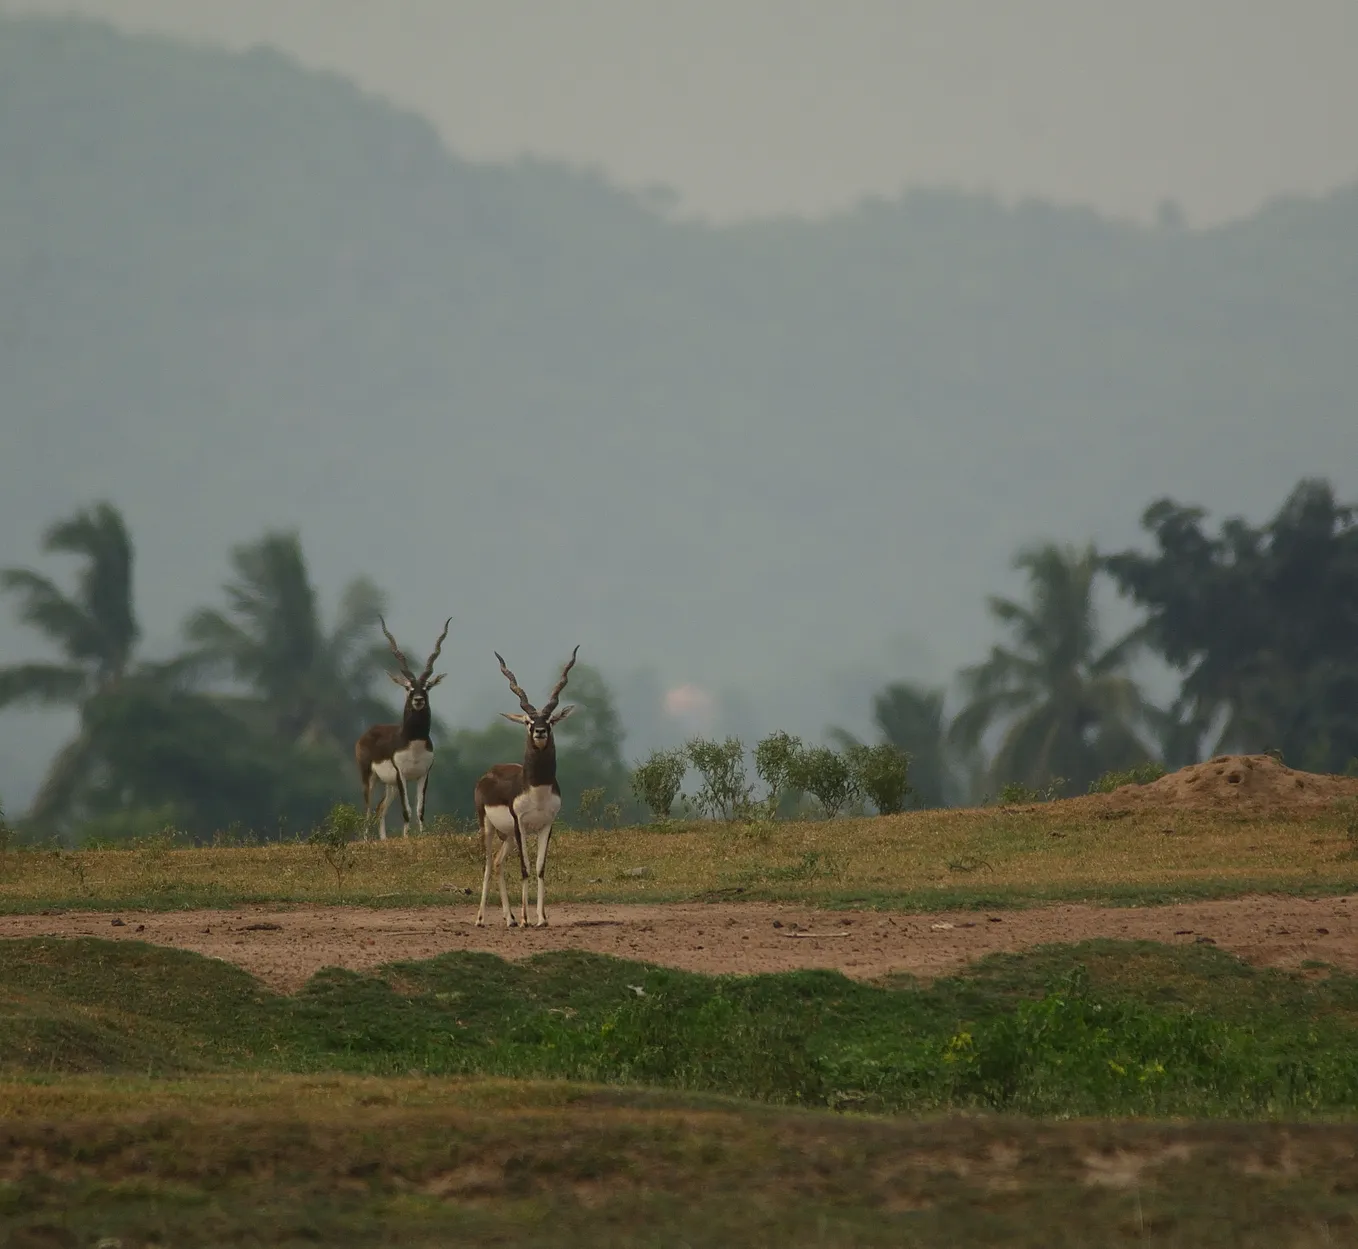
(400, 755)
(516, 799)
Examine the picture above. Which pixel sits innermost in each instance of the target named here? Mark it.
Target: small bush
(1347, 810)
(775, 760)
(74, 866)
(589, 807)
(1142, 774)
(882, 773)
(656, 781)
(1016, 793)
(724, 794)
(826, 775)
(334, 840)
(232, 836)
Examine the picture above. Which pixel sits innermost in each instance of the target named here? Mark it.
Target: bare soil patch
(1254, 783)
(284, 946)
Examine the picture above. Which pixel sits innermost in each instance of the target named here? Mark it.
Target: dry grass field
(917, 861)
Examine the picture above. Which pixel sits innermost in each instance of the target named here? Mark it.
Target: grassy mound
(1101, 1028)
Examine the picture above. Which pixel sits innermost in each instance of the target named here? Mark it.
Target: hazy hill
(785, 459)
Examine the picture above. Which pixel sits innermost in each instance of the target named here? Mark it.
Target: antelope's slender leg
(500, 856)
(485, 878)
(382, 811)
(419, 811)
(544, 838)
(405, 801)
(523, 872)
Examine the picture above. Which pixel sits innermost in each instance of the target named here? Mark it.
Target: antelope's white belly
(414, 761)
(537, 808)
(501, 819)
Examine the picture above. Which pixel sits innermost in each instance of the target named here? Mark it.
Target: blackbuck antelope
(400, 755)
(514, 800)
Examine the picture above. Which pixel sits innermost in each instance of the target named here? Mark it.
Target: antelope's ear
(429, 685)
(516, 716)
(563, 713)
(401, 681)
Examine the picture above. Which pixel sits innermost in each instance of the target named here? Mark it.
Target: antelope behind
(400, 755)
(514, 800)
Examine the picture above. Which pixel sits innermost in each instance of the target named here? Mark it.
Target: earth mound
(1253, 781)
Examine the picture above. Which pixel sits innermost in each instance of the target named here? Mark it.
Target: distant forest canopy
(252, 723)
(239, 297)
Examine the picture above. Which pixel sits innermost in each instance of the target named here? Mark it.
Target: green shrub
(656, 780)
(590, 805)
(1016, 793)
(1142, 774)
(775, 759)
(882, 773)
(724, 794)
(825, 774)
(335, 840)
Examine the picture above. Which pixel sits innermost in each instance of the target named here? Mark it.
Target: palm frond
(48, 610)
(100, 535)
(219, 646)
(51, 684)
(1120, 653)
(1002, 669)
(974, 720)
(359, 607)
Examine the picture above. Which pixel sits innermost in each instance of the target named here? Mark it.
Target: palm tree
(911, 719)
(95, 629)
(316, 686)
(1068, 706)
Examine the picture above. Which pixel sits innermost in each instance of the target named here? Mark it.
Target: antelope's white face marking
(501, 819)
(537, 808)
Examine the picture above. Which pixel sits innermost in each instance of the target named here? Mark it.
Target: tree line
(252, 724)
(1258, 623)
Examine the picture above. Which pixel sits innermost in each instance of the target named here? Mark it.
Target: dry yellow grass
(1060, 850)
(73, 1096)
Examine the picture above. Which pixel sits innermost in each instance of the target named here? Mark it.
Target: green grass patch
(351, 1161)
(1100, 1028)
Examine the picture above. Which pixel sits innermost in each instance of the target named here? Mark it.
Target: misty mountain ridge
(782, 460)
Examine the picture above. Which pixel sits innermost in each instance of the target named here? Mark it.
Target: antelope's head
(539, 722)
(416, 687)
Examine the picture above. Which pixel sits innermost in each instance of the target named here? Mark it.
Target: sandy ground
(284, 946)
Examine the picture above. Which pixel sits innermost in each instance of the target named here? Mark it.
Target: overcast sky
(750, 107)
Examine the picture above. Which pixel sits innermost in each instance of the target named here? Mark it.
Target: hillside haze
(784, 461)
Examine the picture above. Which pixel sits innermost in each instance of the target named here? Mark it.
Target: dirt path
(286, 945)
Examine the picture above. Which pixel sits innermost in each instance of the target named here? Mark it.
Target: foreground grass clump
(919, 860)
(1101, 1028)
(336, 1160)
